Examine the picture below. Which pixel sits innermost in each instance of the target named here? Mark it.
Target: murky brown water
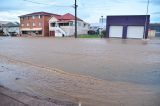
(129, 69)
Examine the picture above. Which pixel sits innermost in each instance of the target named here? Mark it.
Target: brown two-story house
(35, 24)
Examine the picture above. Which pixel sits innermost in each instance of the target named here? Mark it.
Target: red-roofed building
(35, 24)
(64, 25)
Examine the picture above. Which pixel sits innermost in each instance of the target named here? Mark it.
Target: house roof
(69, 16)
(66, 17)
(39, 13)
(3, 22)
(9, 24)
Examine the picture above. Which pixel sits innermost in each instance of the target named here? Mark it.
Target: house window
(33, 17)
(33, 24)
(63, 24)
(66, 24)
(27, 24)
(53, 24)
(70, 23)
(22, 18)
(79, 24)
(22, 24)
(84, 25)
(27, 18)
(39, 16)
(39, 24)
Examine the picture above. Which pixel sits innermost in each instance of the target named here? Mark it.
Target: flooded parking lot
(128, 67)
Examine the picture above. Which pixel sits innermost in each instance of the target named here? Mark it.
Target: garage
(127, 26)
(116, 31)
(135, 31)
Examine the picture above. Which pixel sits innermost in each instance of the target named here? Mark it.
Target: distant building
(127, 26)
(155, 27)
(64, 25)
(99, 25)
(8, 28)
(35, 24)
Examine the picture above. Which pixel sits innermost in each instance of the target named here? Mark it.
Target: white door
(116, 31)
(135, 31)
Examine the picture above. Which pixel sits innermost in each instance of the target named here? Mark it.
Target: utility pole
(75, 18)
(146, 21)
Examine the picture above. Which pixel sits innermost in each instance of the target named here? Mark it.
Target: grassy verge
(89, 36)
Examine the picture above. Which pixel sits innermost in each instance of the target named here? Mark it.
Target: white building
(9, 28)
(64, 26)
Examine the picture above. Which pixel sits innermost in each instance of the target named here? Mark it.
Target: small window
(27, 24)
(33, 24)
(39, 16)
(27, 18)
(33, 17)
(22, 24)
(79, 24)
(39, 24)
(71, 24)
(84, 25)
(22, 18)
(53, 24)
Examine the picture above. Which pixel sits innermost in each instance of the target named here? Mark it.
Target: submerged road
(129, 60)
(112, 70)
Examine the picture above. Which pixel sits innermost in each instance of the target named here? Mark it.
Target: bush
(91, 32)
(103, 33)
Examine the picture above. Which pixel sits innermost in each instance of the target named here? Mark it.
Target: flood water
(130, 61)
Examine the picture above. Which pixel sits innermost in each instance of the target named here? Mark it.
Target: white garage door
(116, 31)
(135, 31)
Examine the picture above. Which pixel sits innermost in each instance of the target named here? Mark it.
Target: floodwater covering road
(95, 71)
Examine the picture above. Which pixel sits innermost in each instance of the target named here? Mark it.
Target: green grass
(89, 36)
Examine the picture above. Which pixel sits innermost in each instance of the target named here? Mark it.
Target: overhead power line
(46, 4)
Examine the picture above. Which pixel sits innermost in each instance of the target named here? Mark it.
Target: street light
(102, 21)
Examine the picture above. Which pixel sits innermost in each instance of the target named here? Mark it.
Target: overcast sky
(88, 10)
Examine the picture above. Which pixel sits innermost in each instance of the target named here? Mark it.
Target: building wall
(70, 30)
(151, 33)
(125, 21)
(43, 20)
(30, 21)
(46, 25)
